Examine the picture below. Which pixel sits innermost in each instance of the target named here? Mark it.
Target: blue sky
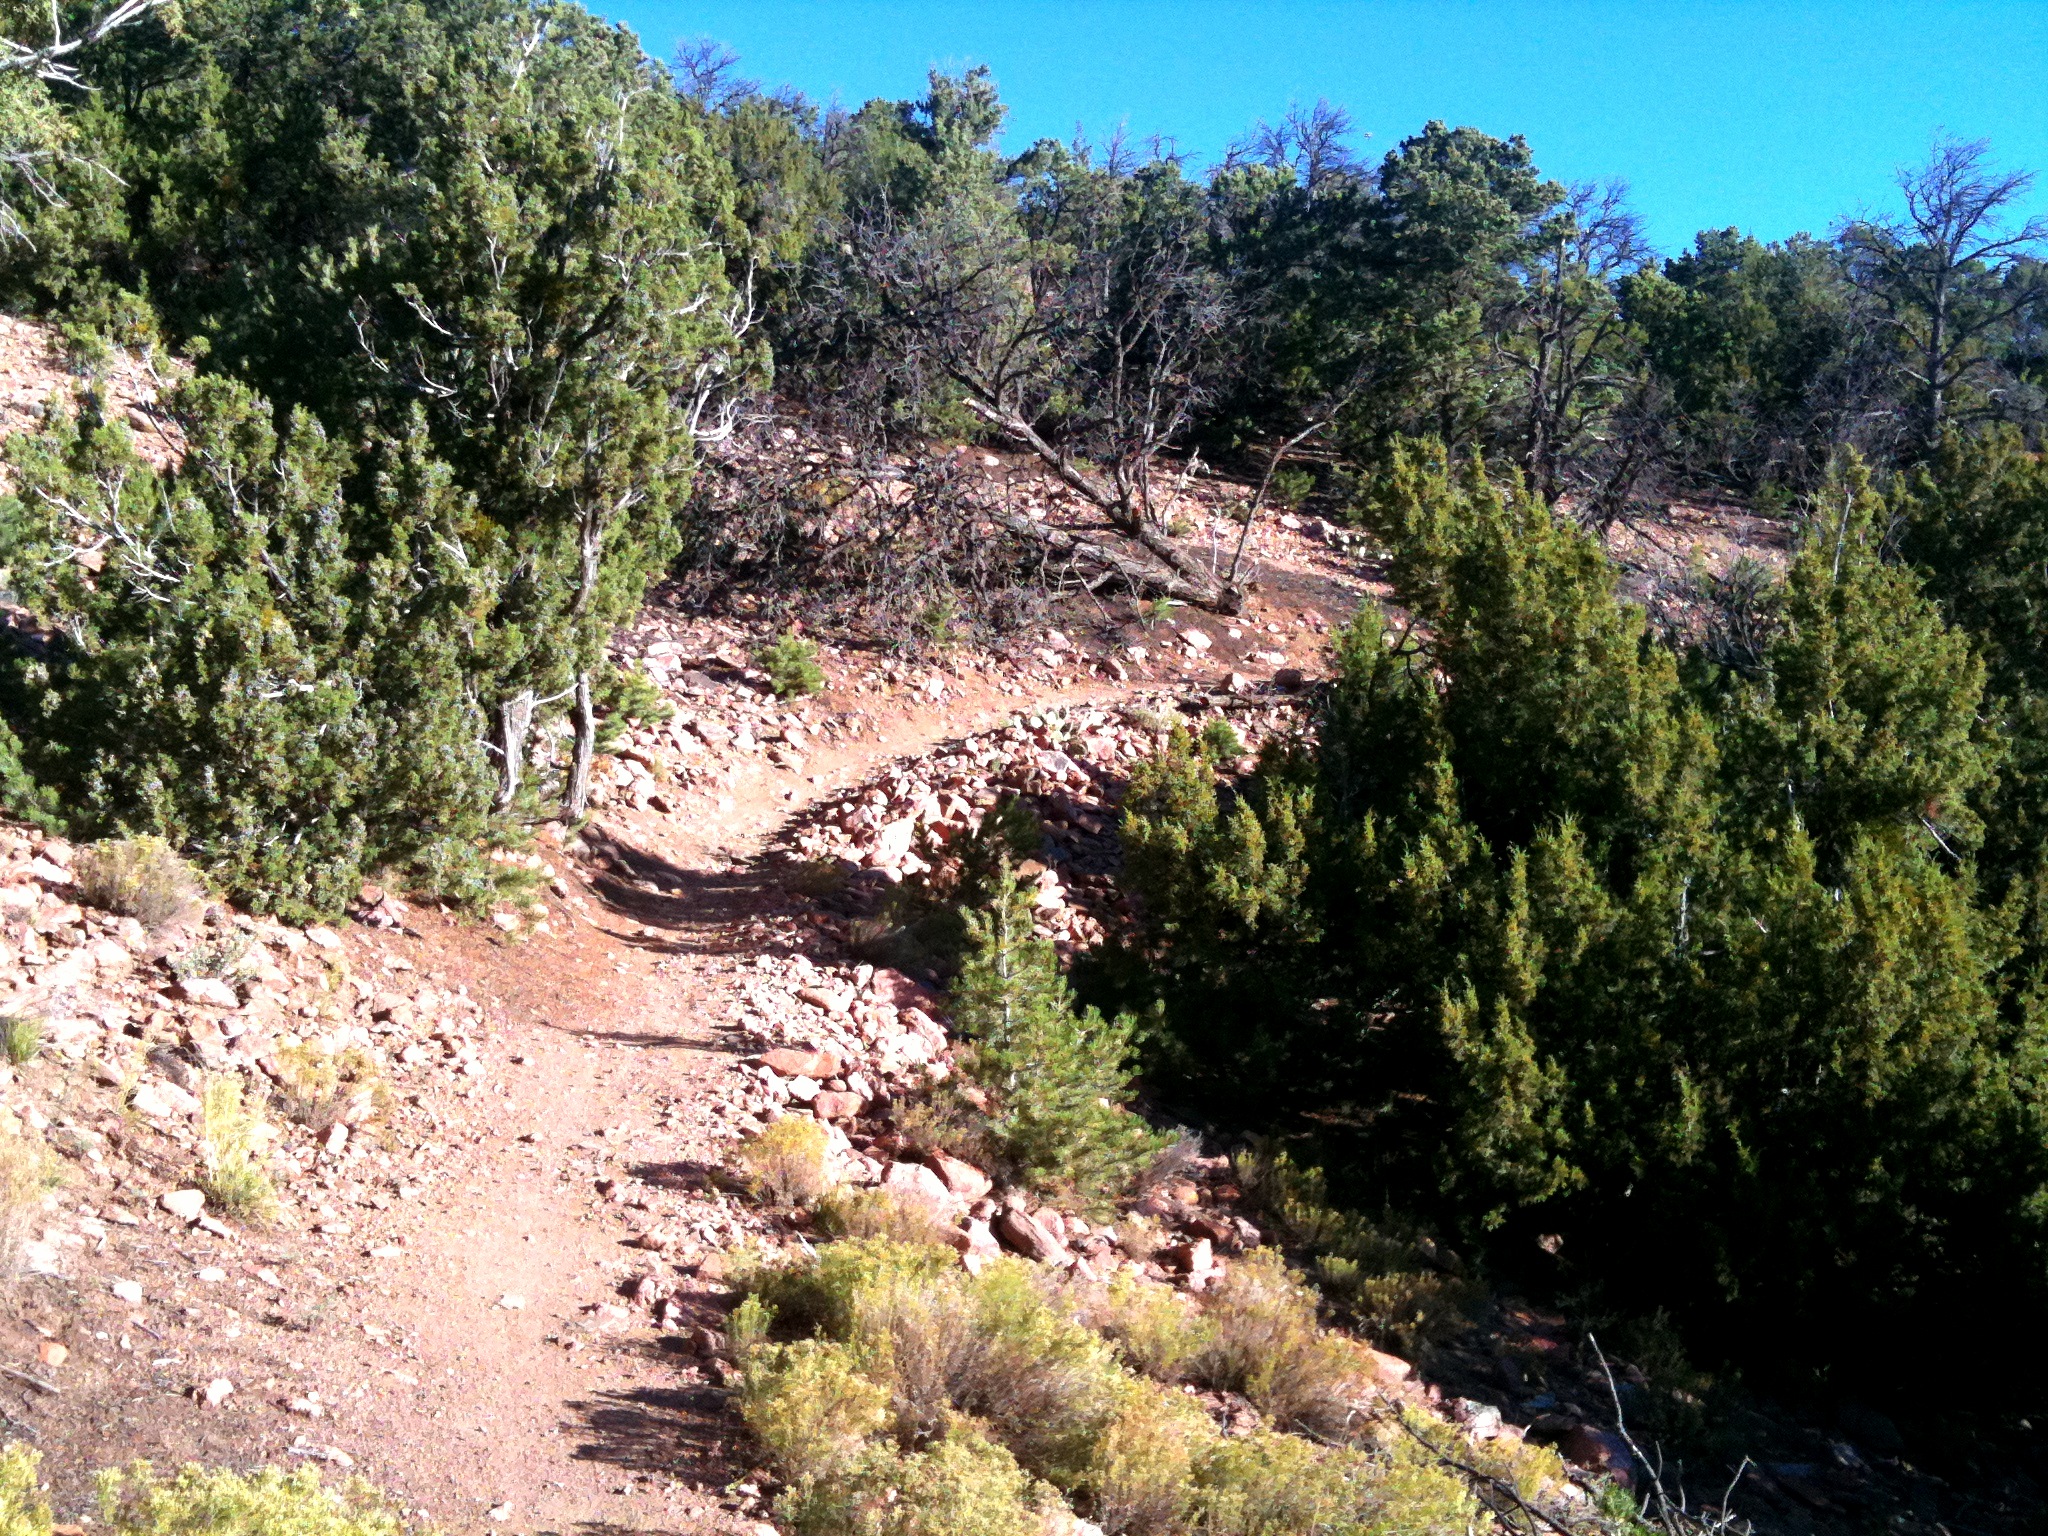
(1774, 117)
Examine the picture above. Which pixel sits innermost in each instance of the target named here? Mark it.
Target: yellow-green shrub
(138, 877)
(789, 1163)
(962, 1485)
(202, 1501)
(817, 1296)
(1141, 1481)
(886, 1213)
(231, 1140)
(810, 1407)
(1267, 1344)
(23, 1509)
(1159, 1331)
(1269, 1484)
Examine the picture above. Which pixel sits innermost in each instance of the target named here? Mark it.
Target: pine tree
(1058, 1080)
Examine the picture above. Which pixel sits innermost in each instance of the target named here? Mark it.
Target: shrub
(1142, 1479)
(791, 663)
(321, 1089)
(198, 1501)
(1267, 1345)
(1159, 1331)
(231, 1172)
(1220, 743)
(810, 1407)
(818, 1295)
(1057, 1080)
(21, 1036)
(886, 1213)
(789, 1163)
(23, 1509)
(962, 1485)
(1265, 1484)
(138, 877)
(27, 1173)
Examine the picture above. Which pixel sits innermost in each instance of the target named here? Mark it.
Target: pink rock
(962, 1179)
(916, 1182)
(837, 1106)
(1390, 1369)
(813, 1064)
(1017, 1232)
(1191, 1259)
(899, 991)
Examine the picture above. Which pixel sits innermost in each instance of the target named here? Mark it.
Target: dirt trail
(453, 1339)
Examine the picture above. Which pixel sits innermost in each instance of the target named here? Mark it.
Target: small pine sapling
(1057, 1080)
(791, 663)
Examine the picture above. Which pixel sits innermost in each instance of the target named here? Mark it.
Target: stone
(916, 1182)
(1599, 1450)
(837, 1106)
(1016, 1231)
(512, 1301)
(161, 1101)
(1191, 1259)
(129, 1291)
(793, 1063)
(209, 991)
(51, 1353)
(963, 1180)
(977, 1245)
(185, 1204)
(1392, 1370)
(216, 1391)
(1290, 678)
(1195, 640)
(1480, 1420)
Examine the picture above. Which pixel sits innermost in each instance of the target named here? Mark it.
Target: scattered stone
(129, 1291)
(216, 1391)
(51, 1353)
(512, 1301)
(185, 1204)
(207, 990)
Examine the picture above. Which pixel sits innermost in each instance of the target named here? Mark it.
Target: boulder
(837, 1106)
(185, 1204)
(792, 1063)
(1016, 1231)
(208, 991)
(917, 1183)
(962, 1179)
(1599, 1450)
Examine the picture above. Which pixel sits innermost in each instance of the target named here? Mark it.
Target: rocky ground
(496, 1272)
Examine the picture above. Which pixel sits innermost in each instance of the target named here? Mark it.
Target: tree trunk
(1140, 579)
(577, 800)
(515, 720)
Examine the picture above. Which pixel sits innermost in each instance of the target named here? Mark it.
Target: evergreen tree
(278, 679)
(1058, 1080)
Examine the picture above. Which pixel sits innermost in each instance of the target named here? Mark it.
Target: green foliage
(789, 1162)
(198, 1501)
(1679, 956)
(202, 1501)
(231, 1139)
(138, 877)
(1057, 1080)
(263, 672)
(981, 1401)
(23, 1509)
(21, 1038)
(791, 663)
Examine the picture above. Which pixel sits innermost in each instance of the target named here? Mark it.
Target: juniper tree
(279, 679)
